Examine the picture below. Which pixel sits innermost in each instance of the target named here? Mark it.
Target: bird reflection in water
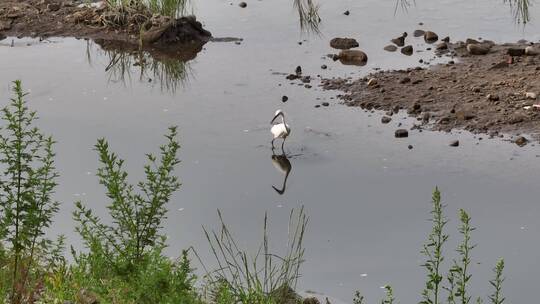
(283, 165)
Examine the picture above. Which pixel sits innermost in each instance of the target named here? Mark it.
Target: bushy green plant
(27, 184)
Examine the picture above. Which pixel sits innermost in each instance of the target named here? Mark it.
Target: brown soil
(63, 18)
(479, 93)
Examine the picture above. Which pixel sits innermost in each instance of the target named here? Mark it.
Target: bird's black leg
(282, 144)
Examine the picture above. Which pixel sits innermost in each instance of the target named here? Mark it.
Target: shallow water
(367, 194)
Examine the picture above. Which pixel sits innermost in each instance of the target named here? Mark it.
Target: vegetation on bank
(124, 261)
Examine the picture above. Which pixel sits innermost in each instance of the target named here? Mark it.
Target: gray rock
(430, 37)
(454, 143)
(343, 43)
(284, 98)
(478, 49)
(442, 46)
(386, 119)
(242, 4)
(515, 51)
(399, 41)
(352, 57)
(401, 133)
(407, 50)
(521, 141)
(419, 33)
(532, 51)
(390, 48)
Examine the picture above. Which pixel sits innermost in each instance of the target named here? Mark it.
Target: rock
(430, 37)
(529, 51)
(386, 119)
(410, 147)
(324, 67)
(372, 82)
(343, 43)
(298, 70)
(311, 300)
(521, 141)
(465, 115)
(352, 57)
(242, 4)
(425, 117)
(492, 97)
(53, 7)
(454, 143)
(390, 48)
(284, 98)
(346, 13)
(407, 50)
(399, 41)
(471, 41)
(441, 46)
(515, 51)
(419, 33)
(182, 30)
(401, 133)
(404, 80)
(530, 95)
(446, 39)
(325, 104)
(478, 49)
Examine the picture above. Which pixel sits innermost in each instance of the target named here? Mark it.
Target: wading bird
(281, 130)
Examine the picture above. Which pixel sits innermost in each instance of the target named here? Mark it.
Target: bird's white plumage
(280, 130)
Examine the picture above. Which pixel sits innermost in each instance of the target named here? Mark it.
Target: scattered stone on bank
(442, 46)
(521, 141)
(401, 133)
(516, 51)
(471, 41)
(532, 51)
(352, 57)
(242, 4)
(346, 13)
(407, 50)
(430, 37)
(372, 82)
(410, 147)
(284, 98)
(53, 7)
(390, 48)
(400, 41)
(386, 119)
(493, 97)
(454, 143)
(298, 70)
(344, 43)
(478, 48)
(446, 39)
(311, 300)
(405, 80)
(419, 33)
(324, 67)
(530, 95)
(325, 104)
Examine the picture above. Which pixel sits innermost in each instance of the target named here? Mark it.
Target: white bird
(281, 130)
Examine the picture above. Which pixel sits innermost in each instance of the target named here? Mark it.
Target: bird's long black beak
(272, 121)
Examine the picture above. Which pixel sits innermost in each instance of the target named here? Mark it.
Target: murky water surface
(367, 194)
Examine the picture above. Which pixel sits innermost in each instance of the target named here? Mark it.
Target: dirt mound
(490, 93)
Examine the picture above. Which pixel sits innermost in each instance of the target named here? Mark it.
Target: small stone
(418, 33)
(532, 51)
(284, 98)
(493, 97)
(442, 46)
(399, 41)
(390, 48)
(407, 50)
(344, 43)
(516, 51)
(521, 141)
(478, 49)
(346, 13)
(311, 300)
(53, 7)
(353, 57)
(324, 67)
(325, 104)
(404, 80)
(242, 4)
(386, 119)
(446, 39)
(298, 70)
(401, 133)
(530, 95)
(430, 37)
(454, 143)
(372, 82)
(471, 41)
(410, 147)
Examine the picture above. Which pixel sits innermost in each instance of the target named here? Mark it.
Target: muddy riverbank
(493, 93)
(95, 20)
